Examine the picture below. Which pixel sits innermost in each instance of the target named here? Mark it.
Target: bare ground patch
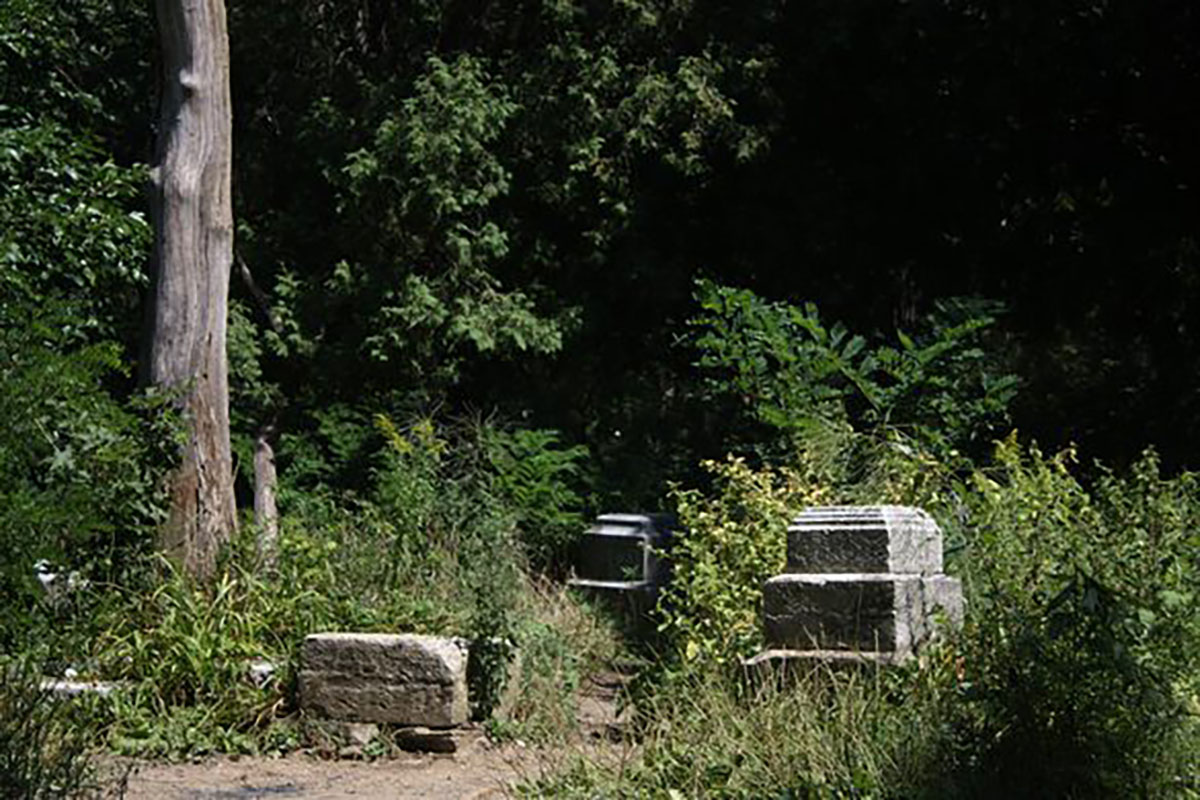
(480, 769)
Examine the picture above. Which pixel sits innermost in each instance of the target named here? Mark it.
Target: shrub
(861, 734)
(794, 372)
(731, 543)
(1080, 654)
(79, 470)
(185, 648)
(560, 643)
(734, 536)
(440, 492)
(433, 550)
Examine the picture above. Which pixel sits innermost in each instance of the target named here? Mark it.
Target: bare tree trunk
(266, 516)
(193, 251)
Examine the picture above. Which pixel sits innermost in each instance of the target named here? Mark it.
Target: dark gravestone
(619, 560)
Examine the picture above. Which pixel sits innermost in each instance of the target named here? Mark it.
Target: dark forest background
(477, 207)
(872, 158)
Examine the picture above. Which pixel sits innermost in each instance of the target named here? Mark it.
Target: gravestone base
(944, 597)
(857, 612)
(618, 566)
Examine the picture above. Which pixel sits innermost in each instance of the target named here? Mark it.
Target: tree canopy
(467, 205)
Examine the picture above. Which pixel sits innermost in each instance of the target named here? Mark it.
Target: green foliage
(1074, 676)
(446, 505)
(69, 227)
(429, 192)
(794, 372)
(79, 471)
(733, 534)
(1080, 667)
(730, 543)
(560, 643)
(330, 447)
(80, 458)
(96, 46)
(493, 498)
(434, 549)
(408, 480)
(442, 200)
(547, 678)
(71, 222)
(425, 184)
(185, 651)
(537, 478)
(45, 747)
(822, 735)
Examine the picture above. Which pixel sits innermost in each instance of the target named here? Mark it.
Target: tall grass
(435, 548)
(560, 642)
(820, 733)
(46, 750)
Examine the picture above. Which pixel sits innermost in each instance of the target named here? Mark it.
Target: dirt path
(477, 770)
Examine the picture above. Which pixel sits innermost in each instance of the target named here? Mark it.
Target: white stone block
(857, 612)
(864, 539)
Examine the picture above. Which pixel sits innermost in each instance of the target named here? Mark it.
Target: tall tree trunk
(193, 251)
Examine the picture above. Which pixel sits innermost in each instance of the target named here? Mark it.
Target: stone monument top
(869, 539)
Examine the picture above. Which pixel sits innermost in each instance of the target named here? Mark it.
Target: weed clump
(46, 747)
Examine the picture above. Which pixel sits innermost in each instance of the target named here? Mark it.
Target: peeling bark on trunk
(266, 516)
(193, 250)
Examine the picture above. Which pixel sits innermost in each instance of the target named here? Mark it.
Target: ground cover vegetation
(502, 266)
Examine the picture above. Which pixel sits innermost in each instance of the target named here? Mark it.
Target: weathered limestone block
(861, 539)
(375, 677)
(862, 612)
(864, 585)
(858, 612)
